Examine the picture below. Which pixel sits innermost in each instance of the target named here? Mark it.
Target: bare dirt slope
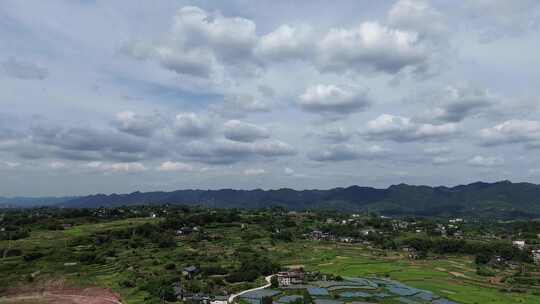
(57, 293)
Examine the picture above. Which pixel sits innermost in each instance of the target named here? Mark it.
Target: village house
(190, 271)
(219, 300)
(187, 230)
(197, 299)
(519, 244)
(497, 261)
(412, 253)
(291, 277)
(368, 231)
(318, 235)
(347, 239)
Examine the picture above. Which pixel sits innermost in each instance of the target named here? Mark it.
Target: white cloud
(442, 160)
(288, 171)
(230, 39)
(126, 167)
(512, 131)
(199, 43)
(191, 125)
(333, 99)
(343, 152)
(287, 42)
(370, 47)
(129, 122)
(252, 172)
(457, 103)
(174, 166)
(485, 161)
(57, 165)
(131, 167)
(404, 129)
(244, 132)
(11, 164)
(418, 16)
(198, 63)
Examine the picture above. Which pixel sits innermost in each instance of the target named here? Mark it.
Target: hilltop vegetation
(502, 199)
(142, 252)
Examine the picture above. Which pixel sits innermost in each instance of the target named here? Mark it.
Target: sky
(131, 95)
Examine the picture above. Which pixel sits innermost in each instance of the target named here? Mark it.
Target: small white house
(519, 244)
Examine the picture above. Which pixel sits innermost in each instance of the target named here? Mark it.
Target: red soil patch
(57, 293)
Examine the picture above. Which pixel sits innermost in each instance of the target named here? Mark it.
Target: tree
(274, 282)
(266, 300)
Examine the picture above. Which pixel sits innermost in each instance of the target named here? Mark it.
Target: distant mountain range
(501, 199)
(27, 202)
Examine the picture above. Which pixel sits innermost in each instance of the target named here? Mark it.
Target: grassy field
(454, 278)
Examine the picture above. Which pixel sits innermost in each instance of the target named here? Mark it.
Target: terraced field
(453, 278)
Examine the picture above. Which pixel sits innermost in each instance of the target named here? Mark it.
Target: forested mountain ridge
(502, 198)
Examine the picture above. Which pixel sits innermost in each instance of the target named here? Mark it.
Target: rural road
(267, 279)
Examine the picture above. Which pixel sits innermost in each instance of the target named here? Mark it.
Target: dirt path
(234, 296)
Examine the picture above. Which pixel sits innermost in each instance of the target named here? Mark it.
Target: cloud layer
(184, 94)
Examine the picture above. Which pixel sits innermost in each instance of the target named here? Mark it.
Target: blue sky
(120, 96)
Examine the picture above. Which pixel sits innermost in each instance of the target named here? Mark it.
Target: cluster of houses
(187, 230)
(181, 294)
(291, 277)
(318, 235)
(522, 245)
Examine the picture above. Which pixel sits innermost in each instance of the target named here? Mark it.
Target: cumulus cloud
(287, 42)
(404, 129)
(418, 16)
(458, 103)
(333, 99)
(170, 166)
(370, 47)
(191, 125)
(139, 125)
(512, 131)
(244, 132)
(24, 70)
(343, 152)
(86, 139)
(198, 63)
(485, 161)
(201, 43)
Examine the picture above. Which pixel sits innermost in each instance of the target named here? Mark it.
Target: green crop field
(452, 277)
